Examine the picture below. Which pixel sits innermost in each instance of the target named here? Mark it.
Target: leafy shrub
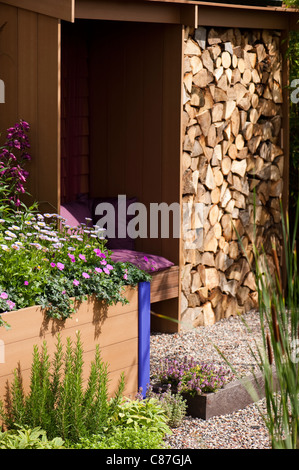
(119, 437)
(147, 413)
(194, 378)
(173, 404)
(57, 401)
(25, 438)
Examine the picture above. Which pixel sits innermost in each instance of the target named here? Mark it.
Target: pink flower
(109, 267)
(145, 258)
(106, 271)
(82, 257)
(26, 283)
(52, 265)
(99, 253)
(63, 292)
(125, 276)
(4, 295)
(87, 276)
(60, 266)
(10, 304)
(72, 257)
(75, 282)
(103, 262)
(98, 270)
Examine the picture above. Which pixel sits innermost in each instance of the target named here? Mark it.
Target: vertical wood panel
(63, 9)
(9, 67)
(74, 113)
(172, 108)
(116, 114)
(135, 117)
(48, 112)
(98, 103)
(133, 90)
(27, 86)
(153, 99)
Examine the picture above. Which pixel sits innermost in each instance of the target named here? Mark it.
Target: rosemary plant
(57, 401)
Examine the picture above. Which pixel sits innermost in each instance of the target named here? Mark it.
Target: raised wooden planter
(232, 397)
(115, 328)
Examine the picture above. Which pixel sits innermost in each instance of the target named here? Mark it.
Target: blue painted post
(144, 330)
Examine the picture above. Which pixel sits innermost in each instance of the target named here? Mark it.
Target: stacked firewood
(232, 167)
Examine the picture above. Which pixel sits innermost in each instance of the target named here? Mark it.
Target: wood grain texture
(235, 132)
(48, 112)
(165, 284)
(115, 329)
(135, 11)
(30, 65)
(62, 9)
(133, 112)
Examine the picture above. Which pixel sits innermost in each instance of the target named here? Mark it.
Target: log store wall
(232, 161)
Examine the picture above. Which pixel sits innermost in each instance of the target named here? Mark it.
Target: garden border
(232, 397)
(124, 330)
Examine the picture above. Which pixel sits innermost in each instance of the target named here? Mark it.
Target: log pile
(232, 167)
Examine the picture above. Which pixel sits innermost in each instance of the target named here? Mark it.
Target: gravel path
(243, 429)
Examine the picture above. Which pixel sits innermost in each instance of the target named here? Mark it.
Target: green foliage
(173, 404)
(25, 438)
(57, 401)
(137, 413)
(119, 437)
(38, 247)
(192, 377)
(291, 3)
(278, 356)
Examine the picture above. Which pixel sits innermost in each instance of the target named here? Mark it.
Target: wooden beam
(189, 15)
(60, 9)
(229, 5)
(128, 11)
(228, 15)
(239, 18)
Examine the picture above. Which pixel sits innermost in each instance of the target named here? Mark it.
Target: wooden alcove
(132, 93)
(121, 109)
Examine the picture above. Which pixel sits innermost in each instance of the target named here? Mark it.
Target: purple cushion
(144, 261)
(76, 212)
(117, 243)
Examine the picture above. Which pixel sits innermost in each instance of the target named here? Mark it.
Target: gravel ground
(243, 429)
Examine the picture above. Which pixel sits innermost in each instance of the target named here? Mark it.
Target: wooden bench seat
(165, 284)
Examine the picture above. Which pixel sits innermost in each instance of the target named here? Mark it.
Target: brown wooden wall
(135, 111)
(74, 112)
(30, 68)
(114, 329)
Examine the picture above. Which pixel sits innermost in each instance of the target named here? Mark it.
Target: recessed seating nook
(120, 136)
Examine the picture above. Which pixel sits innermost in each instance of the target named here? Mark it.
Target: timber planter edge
(232, 397)
(121, 330)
